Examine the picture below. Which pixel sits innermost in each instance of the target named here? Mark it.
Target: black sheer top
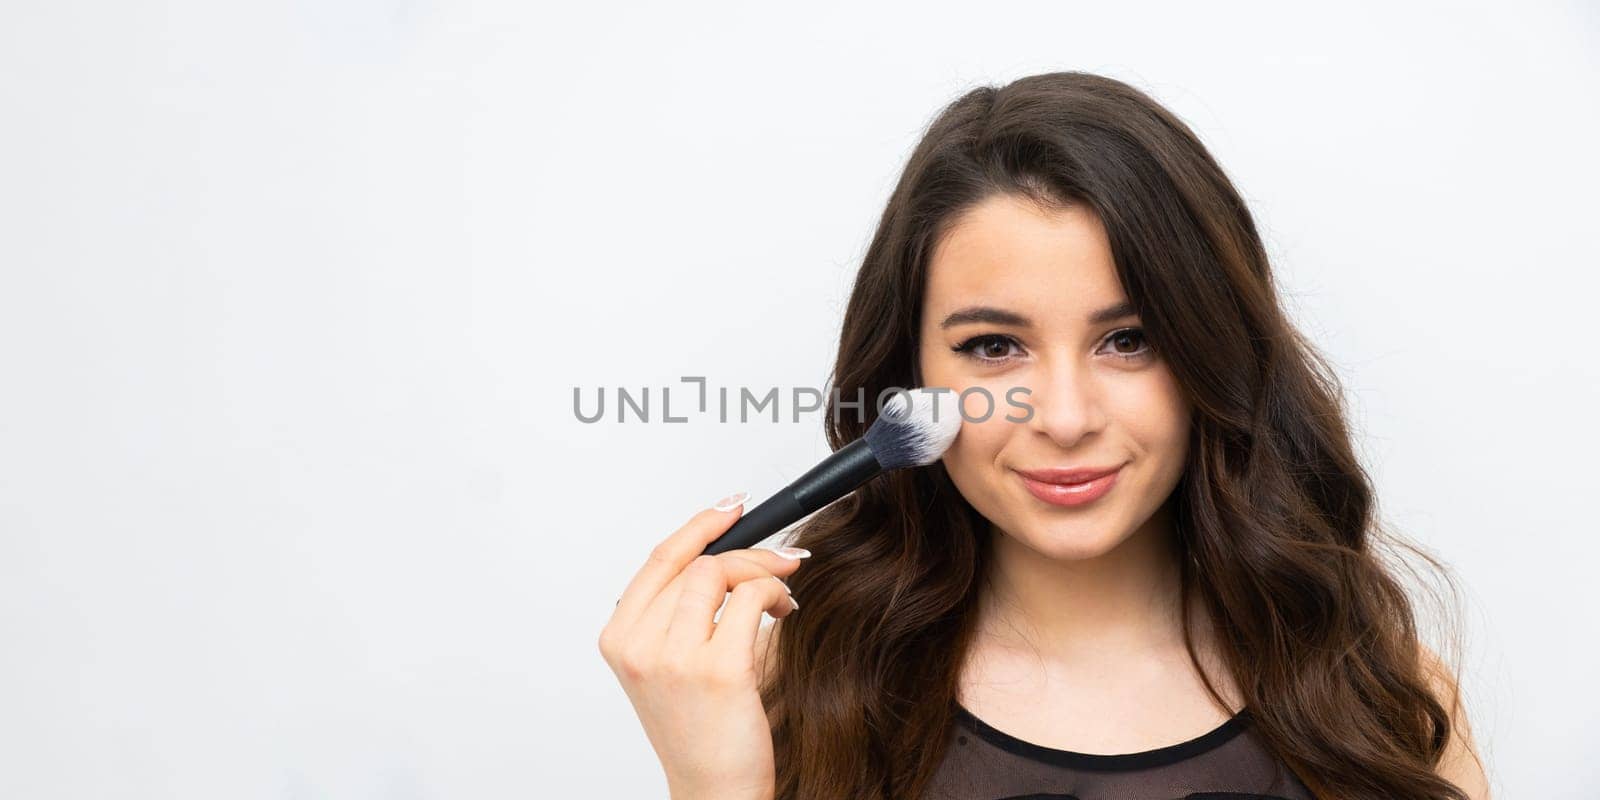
(1228, 763)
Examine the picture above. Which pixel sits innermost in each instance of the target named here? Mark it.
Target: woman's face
(1018, 297)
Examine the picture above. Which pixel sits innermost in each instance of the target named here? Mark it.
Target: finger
(672, 554)
(683, 614)
(769, 560)
(658, 616)
(735, 636)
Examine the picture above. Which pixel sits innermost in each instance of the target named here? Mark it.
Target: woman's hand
(692, 680)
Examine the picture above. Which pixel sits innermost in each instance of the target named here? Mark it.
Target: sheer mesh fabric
(1227, 763)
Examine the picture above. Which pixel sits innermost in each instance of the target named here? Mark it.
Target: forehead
(1008, 251)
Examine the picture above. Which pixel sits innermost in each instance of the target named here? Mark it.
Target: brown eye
(988, 349)
(1128, 343)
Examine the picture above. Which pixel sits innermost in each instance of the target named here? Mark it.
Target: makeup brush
(915, 428)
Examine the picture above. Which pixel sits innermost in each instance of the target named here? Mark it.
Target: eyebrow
(1000, 316)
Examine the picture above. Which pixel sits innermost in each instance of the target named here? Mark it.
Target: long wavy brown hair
(1274, 513)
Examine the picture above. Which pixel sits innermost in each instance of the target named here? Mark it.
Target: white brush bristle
(918, 435)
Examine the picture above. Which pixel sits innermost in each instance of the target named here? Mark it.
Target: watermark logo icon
(748, 404)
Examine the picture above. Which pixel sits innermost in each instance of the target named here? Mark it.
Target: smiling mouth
(1064, 476)
(1053, 487)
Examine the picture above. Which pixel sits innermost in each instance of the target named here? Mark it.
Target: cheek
(1156, 415)
(936, 368)
(971, 457)
(975, 445)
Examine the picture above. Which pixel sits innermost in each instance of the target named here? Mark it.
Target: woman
(1162, 581)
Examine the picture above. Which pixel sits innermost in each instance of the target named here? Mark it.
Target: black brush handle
(838, 474)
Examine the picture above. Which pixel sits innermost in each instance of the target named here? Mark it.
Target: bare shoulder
(1460, 763)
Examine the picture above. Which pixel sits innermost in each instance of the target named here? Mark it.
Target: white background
(293, 297)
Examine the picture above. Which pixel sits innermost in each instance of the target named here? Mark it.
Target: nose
(1067, 403)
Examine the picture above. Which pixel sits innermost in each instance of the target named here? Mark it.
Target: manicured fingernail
(792, 601)
(732, 501)
(792, 553)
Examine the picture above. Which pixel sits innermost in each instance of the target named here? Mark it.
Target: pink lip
(1091, 485)
(1079, 475)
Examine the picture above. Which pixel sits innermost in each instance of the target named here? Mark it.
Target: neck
(1126, 599)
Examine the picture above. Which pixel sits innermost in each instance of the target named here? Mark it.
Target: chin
(1070, 543)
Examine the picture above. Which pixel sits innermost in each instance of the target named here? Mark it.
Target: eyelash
(967, 347)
